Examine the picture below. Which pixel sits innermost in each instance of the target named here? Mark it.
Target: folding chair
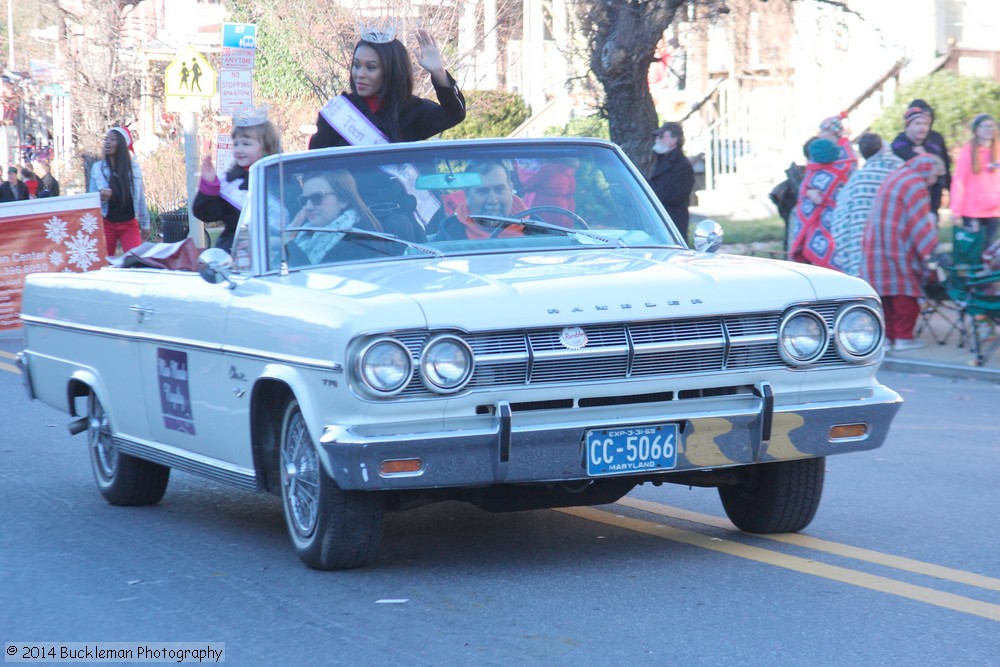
(974, 287)
(939, 315)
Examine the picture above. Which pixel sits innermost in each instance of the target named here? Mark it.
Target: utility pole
(10, 35)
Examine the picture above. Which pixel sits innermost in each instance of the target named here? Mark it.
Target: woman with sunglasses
(330, 202)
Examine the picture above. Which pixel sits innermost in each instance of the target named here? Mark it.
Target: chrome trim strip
(239, 477)
(556, 355)
(247, 353)
(681, 346)
(331, 366)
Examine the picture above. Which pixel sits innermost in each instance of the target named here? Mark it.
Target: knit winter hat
(978, 120)
(128, 136)
(823, 151)
(833, 123)
(923, 105)
(913, 113)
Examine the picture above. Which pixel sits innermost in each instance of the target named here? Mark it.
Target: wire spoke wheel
(330, 529)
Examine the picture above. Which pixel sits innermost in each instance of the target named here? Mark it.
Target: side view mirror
(708, 236)
(215, 266)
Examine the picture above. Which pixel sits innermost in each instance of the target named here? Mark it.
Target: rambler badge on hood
(573, 338)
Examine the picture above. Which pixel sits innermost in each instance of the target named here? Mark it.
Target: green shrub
(585, 126)
(490, 113)
(956, 100)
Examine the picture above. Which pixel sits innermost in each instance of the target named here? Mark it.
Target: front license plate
(616, 451)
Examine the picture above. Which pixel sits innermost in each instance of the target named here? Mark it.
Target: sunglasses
(315, 198)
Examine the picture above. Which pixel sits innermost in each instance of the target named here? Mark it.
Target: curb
(941, 370)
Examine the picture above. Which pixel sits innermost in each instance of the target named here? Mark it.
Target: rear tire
(780, 497)
(330, 529)
(122, 479)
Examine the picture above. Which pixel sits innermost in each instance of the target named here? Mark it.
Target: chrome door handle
(142, 311)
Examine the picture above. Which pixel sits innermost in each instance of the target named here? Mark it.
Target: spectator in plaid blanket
(854, 201)
(900, 236)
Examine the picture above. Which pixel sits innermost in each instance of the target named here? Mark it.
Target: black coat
(213, 208)
(672, 180)
(18, 192)
(419, 118)
(934, 143)
(48, 186)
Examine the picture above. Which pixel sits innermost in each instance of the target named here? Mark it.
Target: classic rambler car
(514, 323)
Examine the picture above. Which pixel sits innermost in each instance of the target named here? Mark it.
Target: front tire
(330, 529)
(122, 479)
(780, 497)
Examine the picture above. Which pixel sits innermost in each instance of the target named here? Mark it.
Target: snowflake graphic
(55, 230)
(82, 250)
(56, 258)
(88, 223)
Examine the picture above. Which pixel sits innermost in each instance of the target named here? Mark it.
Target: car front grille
(624, 350)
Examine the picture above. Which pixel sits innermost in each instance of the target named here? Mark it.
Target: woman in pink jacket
(975, 183)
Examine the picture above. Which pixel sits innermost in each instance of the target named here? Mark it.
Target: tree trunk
(623, 37)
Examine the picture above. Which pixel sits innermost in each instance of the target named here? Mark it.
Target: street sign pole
(188, 81)
(189, 123)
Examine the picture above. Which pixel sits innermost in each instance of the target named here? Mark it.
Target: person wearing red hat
(118, 179)
(918, 138)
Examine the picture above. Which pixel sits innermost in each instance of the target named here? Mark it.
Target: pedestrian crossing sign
(189, 75)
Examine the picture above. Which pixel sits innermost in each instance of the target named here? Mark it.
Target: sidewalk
(947, 359)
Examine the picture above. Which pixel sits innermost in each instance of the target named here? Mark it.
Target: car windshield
(453, 198)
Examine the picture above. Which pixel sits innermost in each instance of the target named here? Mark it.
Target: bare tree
(622, 36)
(105, 74)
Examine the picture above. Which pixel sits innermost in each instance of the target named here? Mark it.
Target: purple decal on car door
(175, 397)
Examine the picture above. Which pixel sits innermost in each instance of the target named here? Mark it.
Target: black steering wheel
(577, 220)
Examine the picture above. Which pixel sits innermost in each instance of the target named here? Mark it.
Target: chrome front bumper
(548, 445)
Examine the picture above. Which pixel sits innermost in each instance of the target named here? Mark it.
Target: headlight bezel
(361, 367)
(821, 348)
(842, 349)
(427, 376)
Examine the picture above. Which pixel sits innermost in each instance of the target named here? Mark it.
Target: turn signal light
(842, 431)
(401, 467)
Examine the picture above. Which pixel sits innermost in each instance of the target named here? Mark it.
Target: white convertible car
(514, 323)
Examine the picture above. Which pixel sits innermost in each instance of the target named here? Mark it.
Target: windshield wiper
(536, 224)
(369, 234)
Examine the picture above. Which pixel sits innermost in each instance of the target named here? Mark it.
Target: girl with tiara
(381, 107)
(254, 137)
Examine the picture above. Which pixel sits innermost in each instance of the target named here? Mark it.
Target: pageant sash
(230, 191)
(352, 125)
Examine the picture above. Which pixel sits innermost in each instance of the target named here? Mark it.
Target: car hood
(587, 286)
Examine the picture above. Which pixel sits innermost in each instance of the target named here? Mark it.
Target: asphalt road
(900, 566)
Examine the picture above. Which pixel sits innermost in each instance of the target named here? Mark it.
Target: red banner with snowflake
(46, 235)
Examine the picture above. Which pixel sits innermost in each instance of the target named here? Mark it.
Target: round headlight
(446, 364)
(858, 332)
(385, 366)
(802, 337)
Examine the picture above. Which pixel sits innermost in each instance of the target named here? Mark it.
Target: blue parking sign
(239, 45)
(239, 35)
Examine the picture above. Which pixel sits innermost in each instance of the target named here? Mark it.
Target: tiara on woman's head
(379, 34)
(251, 117)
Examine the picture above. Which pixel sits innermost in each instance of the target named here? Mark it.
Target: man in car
(493, 196)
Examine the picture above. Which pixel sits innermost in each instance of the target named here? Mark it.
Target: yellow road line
(10, 368)
(795, 563)
(858, 553)
(9, 355)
